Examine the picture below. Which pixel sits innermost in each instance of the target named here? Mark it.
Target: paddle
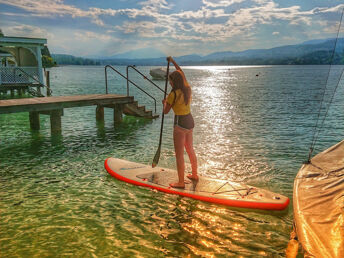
(157, 154)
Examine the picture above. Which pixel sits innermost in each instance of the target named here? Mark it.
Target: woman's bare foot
(192, 177)
(178, 185)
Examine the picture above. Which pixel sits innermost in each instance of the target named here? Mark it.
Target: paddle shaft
(157, 154)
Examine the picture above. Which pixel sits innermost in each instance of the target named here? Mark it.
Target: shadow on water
(56, 139)
(42, 147)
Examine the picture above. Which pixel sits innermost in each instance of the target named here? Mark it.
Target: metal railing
(128, 80)
(144, 77)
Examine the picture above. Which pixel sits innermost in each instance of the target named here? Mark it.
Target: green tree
(48, 61)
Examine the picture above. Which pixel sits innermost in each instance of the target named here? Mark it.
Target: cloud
(335, 9)
(156, 21)
(289, 38)
(202, 13)
(144, 28)
(14, 14)
(156, 4)
(265, 14)
(27, 31)
(47, 7)
(90, 35)
(220, 3)
(199, 25)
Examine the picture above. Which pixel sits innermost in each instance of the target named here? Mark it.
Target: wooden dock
(60, 102)
(54, 106)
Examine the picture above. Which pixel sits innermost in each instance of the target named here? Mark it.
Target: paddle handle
(157, 154)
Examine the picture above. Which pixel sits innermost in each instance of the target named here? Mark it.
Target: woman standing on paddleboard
(179, 100)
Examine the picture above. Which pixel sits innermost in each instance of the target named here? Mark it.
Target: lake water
(254, 124)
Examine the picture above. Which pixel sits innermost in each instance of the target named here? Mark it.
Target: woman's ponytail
(178, 82)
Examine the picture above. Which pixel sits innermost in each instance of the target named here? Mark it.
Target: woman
(179, 100)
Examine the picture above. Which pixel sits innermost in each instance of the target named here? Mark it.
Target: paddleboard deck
(205, 189)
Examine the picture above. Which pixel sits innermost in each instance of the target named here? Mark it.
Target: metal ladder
(133, 108)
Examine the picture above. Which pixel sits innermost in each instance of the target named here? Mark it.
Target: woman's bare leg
(191, 153)
(179, 143)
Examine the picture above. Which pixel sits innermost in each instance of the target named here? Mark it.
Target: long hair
(179, 82)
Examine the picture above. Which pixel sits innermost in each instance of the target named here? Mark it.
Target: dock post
(34, 120)
(12, 94)
(100, 113)
(55, 121)
(117, 113)
(47, 77)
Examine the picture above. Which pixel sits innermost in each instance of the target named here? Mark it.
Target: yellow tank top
(177, 102)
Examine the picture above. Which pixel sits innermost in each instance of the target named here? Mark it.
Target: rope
(334, 92)
(315, 131)
(234, 189)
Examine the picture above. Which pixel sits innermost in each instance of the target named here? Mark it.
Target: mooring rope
(315, 131)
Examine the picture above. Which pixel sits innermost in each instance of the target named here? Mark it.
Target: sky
(174, 27)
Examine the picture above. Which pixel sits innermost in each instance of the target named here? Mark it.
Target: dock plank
(60, 102)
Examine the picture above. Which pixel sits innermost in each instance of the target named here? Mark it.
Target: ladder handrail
(144, 77)
(106, 83)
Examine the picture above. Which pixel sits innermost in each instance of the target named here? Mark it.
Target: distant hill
(309, 52)
(315, 41)
(289, 51)
(62, 59)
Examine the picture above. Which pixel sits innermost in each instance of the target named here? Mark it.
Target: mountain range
(319, 51)
(141, 53)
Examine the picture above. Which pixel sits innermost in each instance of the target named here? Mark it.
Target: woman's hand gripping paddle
(157, 154)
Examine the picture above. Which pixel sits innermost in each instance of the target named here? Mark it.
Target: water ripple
(56, 198)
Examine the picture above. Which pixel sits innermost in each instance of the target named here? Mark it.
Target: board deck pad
(206, 189)
(164, 178)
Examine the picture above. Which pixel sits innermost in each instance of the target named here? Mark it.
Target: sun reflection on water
(220, 121)
(65, 195)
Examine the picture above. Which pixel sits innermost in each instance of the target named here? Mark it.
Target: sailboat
(318, 199)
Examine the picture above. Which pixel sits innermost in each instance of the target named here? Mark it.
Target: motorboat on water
(158, 73)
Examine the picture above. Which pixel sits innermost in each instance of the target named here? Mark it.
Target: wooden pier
(54, 106)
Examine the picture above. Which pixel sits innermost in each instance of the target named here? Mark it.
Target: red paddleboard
(205, 189)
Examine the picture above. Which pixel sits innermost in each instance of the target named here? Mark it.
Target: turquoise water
(253, 125)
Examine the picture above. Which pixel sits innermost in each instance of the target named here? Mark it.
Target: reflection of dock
(54, 106)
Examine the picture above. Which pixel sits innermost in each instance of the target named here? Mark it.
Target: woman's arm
(167, 107)
(170, 59)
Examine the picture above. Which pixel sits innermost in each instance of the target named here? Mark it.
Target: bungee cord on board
(315, 131)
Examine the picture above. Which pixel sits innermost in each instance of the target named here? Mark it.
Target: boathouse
(21, 62)
(21, 69)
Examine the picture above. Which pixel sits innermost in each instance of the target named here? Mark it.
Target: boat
(318, 195)
(158, 73)
(318, 201)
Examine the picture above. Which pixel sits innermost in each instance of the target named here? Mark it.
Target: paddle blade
(156, 158)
